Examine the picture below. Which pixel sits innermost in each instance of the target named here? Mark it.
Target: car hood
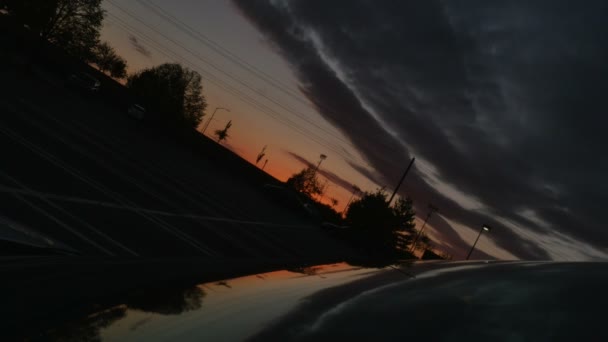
(539, 301)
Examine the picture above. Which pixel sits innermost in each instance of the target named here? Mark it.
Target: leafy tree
(106, 59)
(380, 228)
(173, 91)
(222, 134)
(89, 328)
(71, 24)
(305, 182)
(328, 213)
(425, 243)
(118, 69)
(403, 209)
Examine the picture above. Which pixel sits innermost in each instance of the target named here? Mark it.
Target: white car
(137, 112)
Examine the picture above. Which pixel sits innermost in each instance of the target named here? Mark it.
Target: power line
(232, 77)
(223, 51)
(193, 33)
(226, 87)
(231, 56)
(336, 148)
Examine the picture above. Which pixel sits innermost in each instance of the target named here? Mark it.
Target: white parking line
(86, 201)
(161, 177)
(46, 155)
(206, 201)
(86, 133)
(25, 190)
(63, 224)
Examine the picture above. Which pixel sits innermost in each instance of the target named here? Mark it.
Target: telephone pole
(356, 190)
(212, 115)
(432, 210)
(401, 180)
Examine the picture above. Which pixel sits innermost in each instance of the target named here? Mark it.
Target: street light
(484, 228)
(212, 115)
(322, 157)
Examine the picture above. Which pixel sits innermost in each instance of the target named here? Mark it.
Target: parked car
(291, 199)
(137, 112)
(84, 81)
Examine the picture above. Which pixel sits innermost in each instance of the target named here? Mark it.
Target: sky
(500, 102)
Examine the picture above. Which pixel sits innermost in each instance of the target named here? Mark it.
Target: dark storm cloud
(139, 47)
(502, 101)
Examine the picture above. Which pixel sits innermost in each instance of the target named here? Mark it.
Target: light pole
(322, 157)
(486, 228)
(211, 118)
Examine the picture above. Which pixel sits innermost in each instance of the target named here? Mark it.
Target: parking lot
(82, 172)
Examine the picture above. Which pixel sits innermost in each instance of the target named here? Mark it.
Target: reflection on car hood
(435, 301)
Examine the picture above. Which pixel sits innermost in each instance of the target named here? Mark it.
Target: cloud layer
(501, 102)
(139, 47)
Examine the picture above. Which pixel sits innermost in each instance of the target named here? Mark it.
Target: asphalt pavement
(80, 171)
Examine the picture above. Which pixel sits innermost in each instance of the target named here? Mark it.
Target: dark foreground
(436, 301)
(77, 169)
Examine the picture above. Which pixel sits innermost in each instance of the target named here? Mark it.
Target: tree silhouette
(172, 91)
(73, 25)
(89, 328)
(306, 270)
(167, 301)
(334, 202)
(355, 191)
(305, 182)
(164, 301)
(380, 228)
(329, 213)
(106, 59)
(222, 134)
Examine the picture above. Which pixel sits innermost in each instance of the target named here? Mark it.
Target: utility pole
(211, 118)
(355, 190)
(401, 180)
(265, 162)
(432, 210)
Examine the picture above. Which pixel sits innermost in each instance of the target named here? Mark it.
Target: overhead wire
(226, 87)
(223, 51)
(233, 77)
(336, 148)
(190, 31)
